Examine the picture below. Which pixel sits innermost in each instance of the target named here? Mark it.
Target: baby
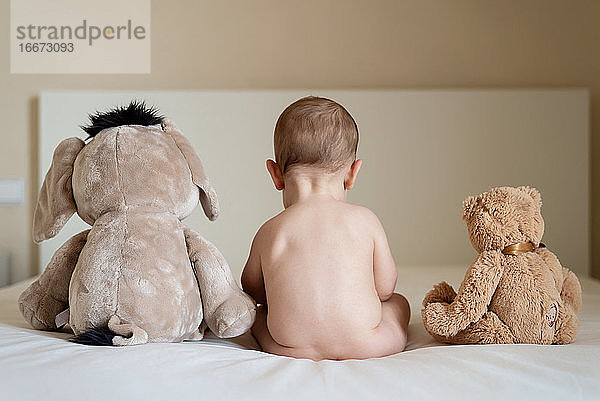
(322, 269)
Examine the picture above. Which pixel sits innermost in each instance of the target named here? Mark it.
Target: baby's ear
(534, 193)
(469, 207)
(276, 174)
(352, 174)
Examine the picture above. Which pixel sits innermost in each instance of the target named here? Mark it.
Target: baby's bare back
(317, 263)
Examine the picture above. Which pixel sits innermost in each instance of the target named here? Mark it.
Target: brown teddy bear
(516, 291)
(138, 275)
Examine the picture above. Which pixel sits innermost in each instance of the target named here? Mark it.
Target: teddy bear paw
(437, 319)
(442, 292)
(490, 330)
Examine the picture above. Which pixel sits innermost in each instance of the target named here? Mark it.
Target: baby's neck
(304, 184)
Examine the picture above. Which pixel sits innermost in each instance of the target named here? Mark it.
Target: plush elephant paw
(442, 292)
(437, 319)
(235, 316)
(29, 315)
(39, 309)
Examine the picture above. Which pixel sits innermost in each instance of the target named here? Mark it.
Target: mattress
(45, 366)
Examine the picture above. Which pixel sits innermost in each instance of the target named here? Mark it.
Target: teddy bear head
(504, 216)
(134, 159)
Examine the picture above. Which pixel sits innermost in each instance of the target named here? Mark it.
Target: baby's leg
(260, 331)
(390, 336)
(397, 306)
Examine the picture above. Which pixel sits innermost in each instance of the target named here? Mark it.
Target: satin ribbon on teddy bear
(521, 247)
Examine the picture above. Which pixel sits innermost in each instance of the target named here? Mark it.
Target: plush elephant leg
(487, 330)
(228, 311)
(49, 294)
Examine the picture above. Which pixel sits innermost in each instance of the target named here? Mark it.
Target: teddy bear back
(132, 165)
(504, 216)
(527, 296)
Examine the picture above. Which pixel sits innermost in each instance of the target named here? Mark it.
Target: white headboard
(424, 151)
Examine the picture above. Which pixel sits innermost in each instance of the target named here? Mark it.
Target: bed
(402, 132)
(36, 365)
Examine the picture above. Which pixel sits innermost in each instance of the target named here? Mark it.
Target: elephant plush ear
(208, 195)
(55, 204)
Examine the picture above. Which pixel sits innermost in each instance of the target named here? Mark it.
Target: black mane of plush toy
(136, 113)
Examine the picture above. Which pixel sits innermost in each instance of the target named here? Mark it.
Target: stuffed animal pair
(516, 291)
(138, 275)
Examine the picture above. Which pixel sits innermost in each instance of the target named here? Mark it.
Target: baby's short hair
(315, 131)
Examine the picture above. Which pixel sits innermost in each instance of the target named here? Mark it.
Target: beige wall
(424, 151)
(325, 44)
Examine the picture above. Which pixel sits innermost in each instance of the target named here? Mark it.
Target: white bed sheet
(36, 365)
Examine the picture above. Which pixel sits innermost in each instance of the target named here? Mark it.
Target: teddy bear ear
(469, 207)
(534, 193)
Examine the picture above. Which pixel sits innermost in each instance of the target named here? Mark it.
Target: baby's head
(315, 133)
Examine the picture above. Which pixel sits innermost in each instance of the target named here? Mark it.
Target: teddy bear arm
(553, 264)
(228, 311)
(49, 294)
(478, 288)
(471, 301)
(571, 290)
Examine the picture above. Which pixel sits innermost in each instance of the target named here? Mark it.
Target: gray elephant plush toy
(138, 275)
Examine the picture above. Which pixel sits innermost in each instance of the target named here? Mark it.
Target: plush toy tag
(62, 318)
(552, 314)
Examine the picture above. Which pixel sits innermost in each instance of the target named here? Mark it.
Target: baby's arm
(384, 267)
(252, 278)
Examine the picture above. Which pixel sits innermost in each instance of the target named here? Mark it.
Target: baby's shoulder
(361, 213)
(367, 221)
(270, 226)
